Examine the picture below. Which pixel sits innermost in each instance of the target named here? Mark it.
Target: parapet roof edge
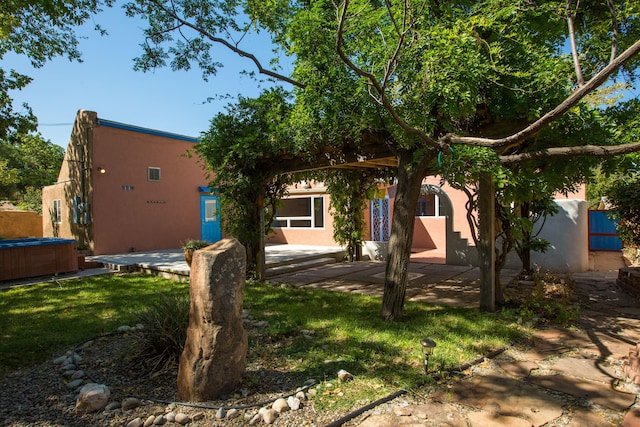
(140, 129)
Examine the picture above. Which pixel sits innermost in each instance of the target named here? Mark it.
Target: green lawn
(39, 322)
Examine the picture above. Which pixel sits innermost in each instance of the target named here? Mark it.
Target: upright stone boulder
(213, 359)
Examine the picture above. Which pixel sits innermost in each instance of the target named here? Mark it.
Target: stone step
(298, 265)
(294, 258)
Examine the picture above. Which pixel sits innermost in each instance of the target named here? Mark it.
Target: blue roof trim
(133, 128)
(204, 189)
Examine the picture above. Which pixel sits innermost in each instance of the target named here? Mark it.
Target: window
(153, 174)
(300, 212)
(57, 211)
(428, 205)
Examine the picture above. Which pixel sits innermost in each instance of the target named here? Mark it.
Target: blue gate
(603, 235)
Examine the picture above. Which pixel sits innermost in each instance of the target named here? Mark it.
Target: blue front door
(210, 229)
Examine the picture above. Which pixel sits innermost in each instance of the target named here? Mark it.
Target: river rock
(92, 398)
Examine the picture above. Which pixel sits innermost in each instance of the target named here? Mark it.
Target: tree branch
(535, 127)
(572, 40)
(231, 47)
(583, 150)
(376, 85)
(614, 30)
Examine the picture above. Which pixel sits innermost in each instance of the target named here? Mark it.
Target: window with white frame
(300, 212)
(153, 173)
(56, 214)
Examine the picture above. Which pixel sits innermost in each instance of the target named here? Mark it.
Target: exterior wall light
(102, 170)
(427, 348)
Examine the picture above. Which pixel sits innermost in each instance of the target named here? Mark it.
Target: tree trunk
(399, 251)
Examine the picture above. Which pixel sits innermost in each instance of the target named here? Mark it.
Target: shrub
(550, 299)
(165, 324)
(624, 195)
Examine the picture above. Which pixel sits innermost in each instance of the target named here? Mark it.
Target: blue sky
(172, 101)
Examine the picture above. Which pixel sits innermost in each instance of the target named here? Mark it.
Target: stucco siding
(132, 213)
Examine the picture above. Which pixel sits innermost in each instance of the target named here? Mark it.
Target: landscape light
(427, 348)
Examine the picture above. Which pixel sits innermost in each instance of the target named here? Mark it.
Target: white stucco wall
(568, 233)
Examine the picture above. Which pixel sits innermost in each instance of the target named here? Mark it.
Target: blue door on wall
(210, 229)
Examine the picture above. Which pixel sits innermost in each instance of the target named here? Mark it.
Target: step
(295, 258)
(297, 266)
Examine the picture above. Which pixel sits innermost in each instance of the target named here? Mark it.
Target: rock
(149, 421)
(280, 405)
(124, 328)
(130, 403)
(76, 358)
(170, 417)
(293, 402)
(92, 397)
(197, 417)
(68, 366)
(221, 413)
(77, 374)
(313, 392)
(75, 383)
(213, 359)
(301, 396)
(182, 418)
(344, 375)
(256, 419)
(160, 420)
(111, 406)
(59, 360)
(232, 414)
(136, 422)
(269, 416)
(632, 419)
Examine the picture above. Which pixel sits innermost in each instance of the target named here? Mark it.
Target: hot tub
(22, 258)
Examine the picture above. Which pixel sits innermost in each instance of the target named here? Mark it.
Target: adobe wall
(19, 224)
(131, 213)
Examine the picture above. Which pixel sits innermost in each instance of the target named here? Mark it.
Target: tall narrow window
(428, 205)
(57, 211)
(153, 174)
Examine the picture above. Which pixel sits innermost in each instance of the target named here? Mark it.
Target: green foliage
(40, 30)
(165, 322)
(348, 191)
(194, 244)
(28, 164)
(243, 150)
(624, 196)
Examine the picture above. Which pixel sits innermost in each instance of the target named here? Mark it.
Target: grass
(37, 322)
(347, 333)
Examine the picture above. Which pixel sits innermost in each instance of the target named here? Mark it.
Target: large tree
(428, 75)
(27, 165)
(40, 30)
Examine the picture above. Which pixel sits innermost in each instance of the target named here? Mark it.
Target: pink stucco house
(124, 188)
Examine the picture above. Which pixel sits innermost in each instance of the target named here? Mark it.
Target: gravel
(40, 396)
